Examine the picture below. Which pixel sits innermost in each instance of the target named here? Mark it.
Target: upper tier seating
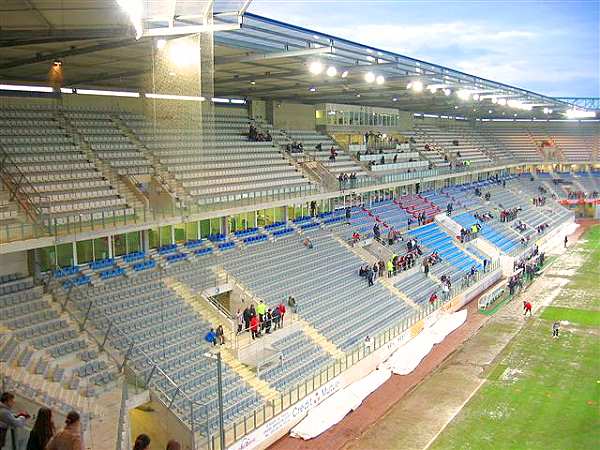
(67, 186)
(444, 135)
(221, 168)
(109, 143)
(343, 162)
(515, 139)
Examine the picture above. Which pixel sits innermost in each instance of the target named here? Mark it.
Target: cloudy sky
(551, 47)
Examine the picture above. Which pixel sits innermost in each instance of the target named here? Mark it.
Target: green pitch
(543, 393)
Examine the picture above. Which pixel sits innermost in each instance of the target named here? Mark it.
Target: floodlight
(344, 74)
(357, 95)
(57, 63)
(416, 86)
(183, 54)
(476, 97)
(579, 114)
(432, 88)
(502, 101)
(494, 100)
(395, 99)
(380, 79)
(447, 92)
(315, 67)
(160, 44)
(489, 111)
(312, 89)
(463, 94)
(369, 77)
(331, 71)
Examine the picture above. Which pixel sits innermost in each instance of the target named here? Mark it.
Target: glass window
(64, 254)
(119, 243)
(85, 251)
(204, 228)
(134, 242)
(215, 225)
(165, 235)
(101, 248)
(191, 230)
(47, 258)
(179, 232)
(153, 238)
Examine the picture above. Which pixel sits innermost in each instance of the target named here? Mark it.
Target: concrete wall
(14, 262)
(258, 109)
(406, 121)
(293, 116)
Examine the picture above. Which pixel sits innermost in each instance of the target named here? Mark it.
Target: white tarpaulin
(407, 358)
(335, 408)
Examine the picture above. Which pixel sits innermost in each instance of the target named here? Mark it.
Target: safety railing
(196, 414)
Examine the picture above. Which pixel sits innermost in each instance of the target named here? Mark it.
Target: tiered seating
(416, 205)
(109, 143)
(343, 162)
(515, 138)
(440, 133)
(70, 187)
(418, 287)
(495, 233)
(390, 214)
(299, 358)
(324, 280)
(166, 329)
(223, 168)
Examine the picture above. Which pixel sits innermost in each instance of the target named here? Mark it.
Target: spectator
(348, 214)
(142, 442)
(527, 308)
(69, 438)
(355, 238)
(313, 208)
(7, 418)
(42, 430)
(211, 337)
(173, 445)
(376, 232)
(555, 330)
(293, 306)
(433, 298)
(220, 335)
(391, 236)
(390, 268)
(268, 320)
(254, 327)
(240, 320)
(566, 241)
(247, 316)
(370, 276)
(261, 309)
(426, 269)
(307, 243)
(276, 316)
(446, 291)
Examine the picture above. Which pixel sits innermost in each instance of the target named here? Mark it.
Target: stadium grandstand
(170, 169)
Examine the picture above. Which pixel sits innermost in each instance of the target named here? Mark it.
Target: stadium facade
(153, 188)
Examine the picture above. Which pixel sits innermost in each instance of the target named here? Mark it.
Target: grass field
(543, 393)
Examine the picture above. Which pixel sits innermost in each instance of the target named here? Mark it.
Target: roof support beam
(275, 55)
(67, 52)
(38, 13)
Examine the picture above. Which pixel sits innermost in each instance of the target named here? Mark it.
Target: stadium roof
(258, 57)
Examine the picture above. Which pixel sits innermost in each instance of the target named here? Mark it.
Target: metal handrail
(155, 367)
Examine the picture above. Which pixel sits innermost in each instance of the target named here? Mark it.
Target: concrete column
(224, 227)
(145, 241)
(36, 265)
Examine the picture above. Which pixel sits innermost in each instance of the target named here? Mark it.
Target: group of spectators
(467, 234)
(520, 226)
(421, 218)
(575, 195)
(370, 273)
(215, 337)
(541, 227)
(257, 136)
(262, 318)
(484, 217)
(433, 259)
(294, 147)
(508, 215)
(43, 435)
(539, 201)
(398, 264)
(347, 180)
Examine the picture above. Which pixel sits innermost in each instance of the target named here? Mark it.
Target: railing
(15, 180)
(199, 414)
(315, 380)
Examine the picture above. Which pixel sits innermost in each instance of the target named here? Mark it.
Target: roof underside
(262, 59)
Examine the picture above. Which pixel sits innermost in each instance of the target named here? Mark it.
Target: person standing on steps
(566, 241)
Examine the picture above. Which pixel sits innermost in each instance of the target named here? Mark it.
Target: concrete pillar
(36, 259)
(224, 227)
(146, 241)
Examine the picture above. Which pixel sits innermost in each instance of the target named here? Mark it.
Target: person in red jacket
(282, 310)
(254, 326)
(433, 298)
(526, 308)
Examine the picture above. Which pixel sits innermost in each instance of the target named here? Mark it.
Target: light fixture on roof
(357, 95)
(395, 99)
(331, 71)
(315, 36)
(416, 86)
(252, 82)
(369, 77)
(579, 114)
(515, 115)
(547, 111)
(371, 58)
(476, 97)
(183, 54)
(344, 74)
(489, 111)
(312, 89)
(502, 101)
(463, 94)
(380, 79)
(432, 88)
(160, 43)
(57, 63)
(456, 107)
(315, 67)
(447, 92)
(494, 100)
